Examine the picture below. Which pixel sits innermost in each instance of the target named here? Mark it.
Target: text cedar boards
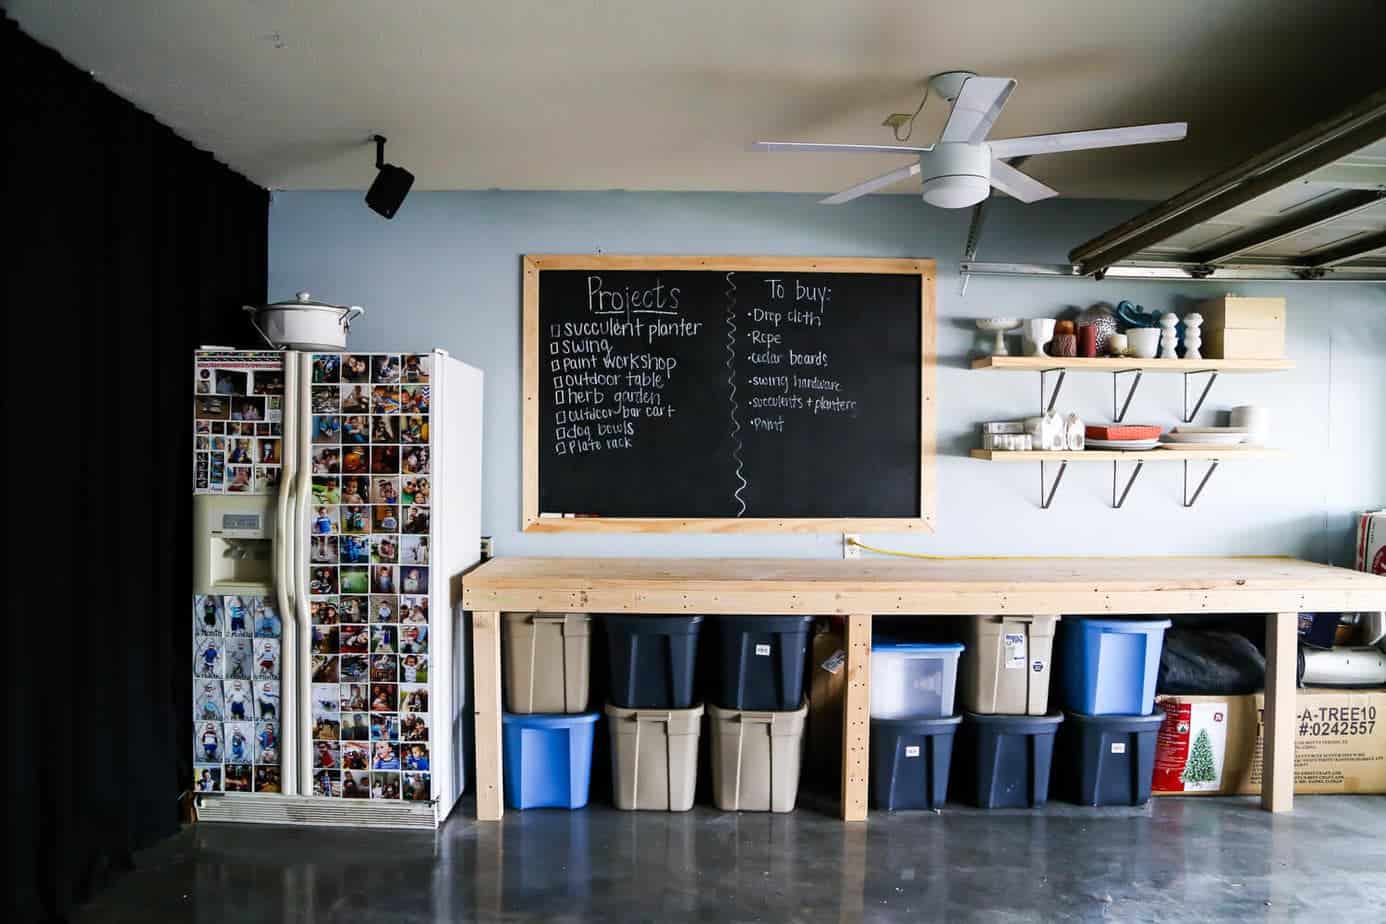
(728, 394)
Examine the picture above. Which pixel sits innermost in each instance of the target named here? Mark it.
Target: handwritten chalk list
(742, 394)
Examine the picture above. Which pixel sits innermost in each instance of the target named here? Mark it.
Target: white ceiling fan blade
(977, 107)
(851, 148)
(1097, 138)
(1018, 185)
(871, 185)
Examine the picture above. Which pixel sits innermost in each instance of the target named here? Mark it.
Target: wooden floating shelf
(1125, 455)
(1124, 363)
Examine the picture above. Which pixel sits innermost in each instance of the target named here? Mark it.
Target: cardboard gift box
(1235, 327)
(1211, 745)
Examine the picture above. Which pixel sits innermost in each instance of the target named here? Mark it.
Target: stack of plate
(1127, 437)
(1208, 436)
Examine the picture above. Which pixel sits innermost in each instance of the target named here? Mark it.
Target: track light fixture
(391, 183)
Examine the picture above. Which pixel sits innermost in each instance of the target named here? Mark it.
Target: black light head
(391, 184)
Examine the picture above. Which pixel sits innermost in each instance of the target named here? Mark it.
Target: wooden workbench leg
(486, 679)
(856, 718)
(1278, 747)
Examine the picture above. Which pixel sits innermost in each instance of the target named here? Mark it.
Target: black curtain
(127, 248)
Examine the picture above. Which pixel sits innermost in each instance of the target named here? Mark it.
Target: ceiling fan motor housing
(955, 175)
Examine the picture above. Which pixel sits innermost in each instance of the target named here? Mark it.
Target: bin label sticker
(835, 661)
(763, 650)
(911, 750)
(1118, 747)
(1038, 666)
(1015, 650)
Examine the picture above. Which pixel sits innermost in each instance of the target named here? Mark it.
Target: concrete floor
(1195, 859)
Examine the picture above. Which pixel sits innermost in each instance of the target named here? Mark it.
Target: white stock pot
(304, 324)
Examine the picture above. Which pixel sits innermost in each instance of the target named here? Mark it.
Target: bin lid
(1121, 625)
(549, 721)
(920, 647)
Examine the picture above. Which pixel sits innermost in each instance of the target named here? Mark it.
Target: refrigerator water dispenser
(233, 544)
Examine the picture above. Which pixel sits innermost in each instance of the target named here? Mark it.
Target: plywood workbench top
(901, 586)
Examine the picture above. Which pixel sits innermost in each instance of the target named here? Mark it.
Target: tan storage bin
(1006, 664)
(755, 758)
(548, 662)
(654, 757)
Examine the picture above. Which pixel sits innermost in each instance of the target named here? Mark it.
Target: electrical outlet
(849, 547)
(486, 548)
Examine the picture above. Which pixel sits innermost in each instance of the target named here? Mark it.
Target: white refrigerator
(337, 504)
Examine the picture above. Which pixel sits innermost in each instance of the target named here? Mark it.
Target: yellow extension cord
(899, 554)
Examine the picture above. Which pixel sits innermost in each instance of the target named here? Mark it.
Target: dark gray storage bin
(1003, 761)
(652, 660)
(909, 762)
(1107, 759)
(762, 661)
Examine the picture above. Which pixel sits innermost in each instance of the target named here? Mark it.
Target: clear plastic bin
(913, 679)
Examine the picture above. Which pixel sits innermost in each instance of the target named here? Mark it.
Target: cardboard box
(1212, 744)
(1244, 343)
(1237, 312)
(827, 684)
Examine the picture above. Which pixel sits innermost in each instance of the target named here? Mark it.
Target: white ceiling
(656, 94)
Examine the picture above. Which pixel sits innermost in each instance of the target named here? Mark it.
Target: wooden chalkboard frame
(531, 521)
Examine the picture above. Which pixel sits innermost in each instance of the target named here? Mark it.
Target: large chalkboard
(666, 393)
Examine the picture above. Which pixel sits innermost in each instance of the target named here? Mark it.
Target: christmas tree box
(1212, 744)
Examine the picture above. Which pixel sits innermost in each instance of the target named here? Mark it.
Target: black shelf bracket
(1190, 501)
(1212, 377)
(1120, 415)
(1047, 499)
(1118, 500)
(1048, 405)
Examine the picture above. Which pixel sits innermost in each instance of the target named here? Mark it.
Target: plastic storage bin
(913, 680)
(654, 757)
(652, 659)
(548, 660)
(548, 759)
(1005, 665)
(1108, 666)
(1107, 759)
(909, 762)
(755, 758)
(1003, 761)
(763, 661)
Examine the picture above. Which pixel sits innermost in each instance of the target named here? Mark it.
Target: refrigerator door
(237, 613)
(365, 512)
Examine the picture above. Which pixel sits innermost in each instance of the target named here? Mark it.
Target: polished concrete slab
(1193, 859)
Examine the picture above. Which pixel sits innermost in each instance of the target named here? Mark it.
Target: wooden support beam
(856, 718)
(486, 674)
(1278, 747)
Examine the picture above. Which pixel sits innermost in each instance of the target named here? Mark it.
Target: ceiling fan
(959, 169)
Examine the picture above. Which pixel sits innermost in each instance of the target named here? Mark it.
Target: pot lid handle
(304, 296)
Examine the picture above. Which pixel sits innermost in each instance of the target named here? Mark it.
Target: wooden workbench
(1275, 589)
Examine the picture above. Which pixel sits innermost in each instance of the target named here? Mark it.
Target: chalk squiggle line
(731, 381)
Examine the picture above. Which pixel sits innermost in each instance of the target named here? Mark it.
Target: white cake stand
(1000, 326)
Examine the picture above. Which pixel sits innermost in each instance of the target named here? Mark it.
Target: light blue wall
(446, 272)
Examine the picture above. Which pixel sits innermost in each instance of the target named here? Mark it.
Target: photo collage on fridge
(237, 449)
(368, 567)
(237, 422)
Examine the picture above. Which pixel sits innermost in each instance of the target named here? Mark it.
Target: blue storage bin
(763, 662)
(1108, 666)
(548, 759)
(909, 762)
(1003, 761)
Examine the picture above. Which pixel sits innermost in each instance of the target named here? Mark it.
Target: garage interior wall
(446, 272)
